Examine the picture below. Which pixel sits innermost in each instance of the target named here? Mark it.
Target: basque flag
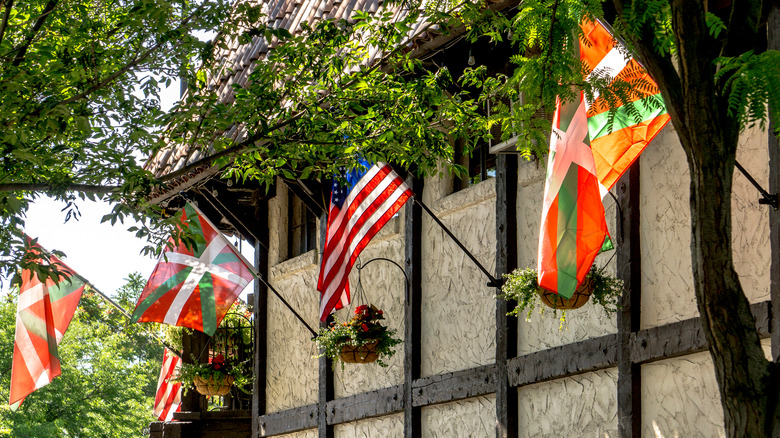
(358, 210)
(167, 400)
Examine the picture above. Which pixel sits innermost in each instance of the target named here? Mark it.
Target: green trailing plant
(363, 329)
(522, 287)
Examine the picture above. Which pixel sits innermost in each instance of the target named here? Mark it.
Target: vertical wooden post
(506, 261)
(326, 389)
(412, 308)
(193, 350)
(629, 264)
(261, 318)
(773, 42)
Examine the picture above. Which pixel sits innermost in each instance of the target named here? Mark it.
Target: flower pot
(580, 297)
(362, 354)
(214, 385)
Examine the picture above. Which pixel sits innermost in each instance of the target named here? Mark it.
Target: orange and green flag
(44, 311)
(573, 225)
(617, 137)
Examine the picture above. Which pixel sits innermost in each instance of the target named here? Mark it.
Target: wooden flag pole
(125, 313)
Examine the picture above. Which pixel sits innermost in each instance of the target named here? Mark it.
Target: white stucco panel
(581, 406)
(292, 371)
(472, 418)
(458, 309)
(387, 426)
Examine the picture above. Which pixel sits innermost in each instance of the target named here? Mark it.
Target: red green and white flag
(44, 312)
(195, 287)
(573, 225)
(167, 400)
(616, 146)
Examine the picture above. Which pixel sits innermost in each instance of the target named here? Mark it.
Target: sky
(101, 253)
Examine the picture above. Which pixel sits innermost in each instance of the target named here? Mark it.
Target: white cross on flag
(45, 310)
(195, 287)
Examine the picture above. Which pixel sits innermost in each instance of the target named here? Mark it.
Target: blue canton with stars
(340, 193)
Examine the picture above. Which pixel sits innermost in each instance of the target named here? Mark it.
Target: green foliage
(522, 287)
(364, 328)
(108, 381)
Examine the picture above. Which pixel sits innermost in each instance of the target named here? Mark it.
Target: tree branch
(34, 32)
(127, 67)
(36, 187)
(6, 14)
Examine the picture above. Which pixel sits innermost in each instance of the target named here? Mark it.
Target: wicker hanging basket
(580, 297)
(362, 354)
(213, 385)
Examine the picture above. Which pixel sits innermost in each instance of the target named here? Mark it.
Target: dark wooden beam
(412, 309)
(506, 261)
(261, 318)
(194, 347)
(564, 361)
(458, 385)
(288, 421)
(629, 269)
(657, 343)
(773, 42)
(684, 337)
(366, 405)
(326, 388)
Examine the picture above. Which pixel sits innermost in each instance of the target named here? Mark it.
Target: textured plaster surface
(292, 371)
(458, 309)
(309, 433)
(581, 406)
(680, 397)
(544, 331)
(472, 418)
(383, 285)
(387, 426)
(667, 277)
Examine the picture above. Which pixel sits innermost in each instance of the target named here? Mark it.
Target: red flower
(360, 309)
(365, 327)
(219, 359)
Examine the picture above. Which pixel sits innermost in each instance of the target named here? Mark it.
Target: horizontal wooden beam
(657, 343)
(366, 405)
(454, 386)
(684, 337)
(563, 361)
(290, 420)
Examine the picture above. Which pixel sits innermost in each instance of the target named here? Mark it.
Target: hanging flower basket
(215, 377)
(522, 288)
(361, 354)
(362, 339)
(580, 297)
(214, 385)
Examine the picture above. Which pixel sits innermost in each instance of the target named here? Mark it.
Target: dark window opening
(301, 227)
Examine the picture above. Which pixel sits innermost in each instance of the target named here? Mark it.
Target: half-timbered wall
(565, 381)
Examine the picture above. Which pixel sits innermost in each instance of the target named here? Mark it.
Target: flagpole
(125, 313)
(256, 273)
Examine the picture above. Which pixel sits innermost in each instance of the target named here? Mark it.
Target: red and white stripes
(370, 204)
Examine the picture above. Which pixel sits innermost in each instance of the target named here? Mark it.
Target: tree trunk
(747, 381)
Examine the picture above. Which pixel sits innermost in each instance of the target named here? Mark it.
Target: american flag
(168, 397)
(358, 210)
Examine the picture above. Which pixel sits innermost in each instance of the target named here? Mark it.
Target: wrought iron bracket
(493, 281)
(766, 197)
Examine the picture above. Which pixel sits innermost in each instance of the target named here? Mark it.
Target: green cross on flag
(195, 287)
